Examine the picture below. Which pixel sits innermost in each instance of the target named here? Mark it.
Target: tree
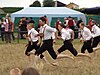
(36, 4)
(48, 3)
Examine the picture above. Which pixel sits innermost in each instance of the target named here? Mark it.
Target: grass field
(12, 56)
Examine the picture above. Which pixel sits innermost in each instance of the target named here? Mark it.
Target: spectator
(23, 26)
(71, 22)
(31, 20)
(2, 28)
(57, 23)
(19, 25)
(30, 71)
(27, 20)
(66, 21)
(15, 71)
(79, 21)
(11, 27)
(7, 32)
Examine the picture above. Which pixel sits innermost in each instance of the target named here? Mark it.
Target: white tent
(49, 12)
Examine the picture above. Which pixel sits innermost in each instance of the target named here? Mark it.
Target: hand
(58, 37)
(41, 34)
(72, 39)
(24, 35)
(38, 43)
(82, 40)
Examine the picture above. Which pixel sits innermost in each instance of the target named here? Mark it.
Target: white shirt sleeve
(33, 31)
(50, 29)
(53, 35)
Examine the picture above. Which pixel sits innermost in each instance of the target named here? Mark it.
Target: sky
(26, 3)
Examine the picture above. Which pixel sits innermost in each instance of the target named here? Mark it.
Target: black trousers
(12, 35)
(87, 45)
(68, 45)
(72, 27)
(31, 47)
(8, 37)
(47, 45)
(96, 41)
(2, 33)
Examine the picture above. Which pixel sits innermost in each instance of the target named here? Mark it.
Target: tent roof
(47, 10)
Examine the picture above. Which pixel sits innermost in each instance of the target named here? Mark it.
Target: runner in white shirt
(86, 38)
(34, 42)
(66, 37)
(71, 32)
(96, 35)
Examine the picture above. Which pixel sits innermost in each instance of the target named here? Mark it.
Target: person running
(34, 42)
(67, 44)
(86, 38)
(96, 35)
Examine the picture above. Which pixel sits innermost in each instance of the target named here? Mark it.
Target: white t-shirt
(86, 34)
(47, 31)
(96, 31)
(29, 32)
(65, 35)
(33, 34)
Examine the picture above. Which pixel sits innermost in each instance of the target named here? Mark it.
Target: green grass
(12, 56)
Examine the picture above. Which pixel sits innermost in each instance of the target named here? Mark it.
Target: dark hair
(26, 18)
(45, 16)
(30, 17)
(43, 19)
(30, 71)
(69, 17)
(62, 25)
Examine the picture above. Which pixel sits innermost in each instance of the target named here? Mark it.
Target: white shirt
(69, 30)
(65, 35)
(29, 32)
(47, 32)
(86, 34)
(96, 31)
(53, 35)
(34, 36)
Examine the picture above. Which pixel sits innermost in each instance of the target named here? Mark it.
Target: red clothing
(70, 23)
(89, 23)
(57, 23)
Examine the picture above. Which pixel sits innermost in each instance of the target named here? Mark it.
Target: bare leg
(46, 61)
(30, 60)
(64, 56)
(82, 54)
(31, 52)
(35, 60)
(96, 49)
(55, 63)
(59, 56)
